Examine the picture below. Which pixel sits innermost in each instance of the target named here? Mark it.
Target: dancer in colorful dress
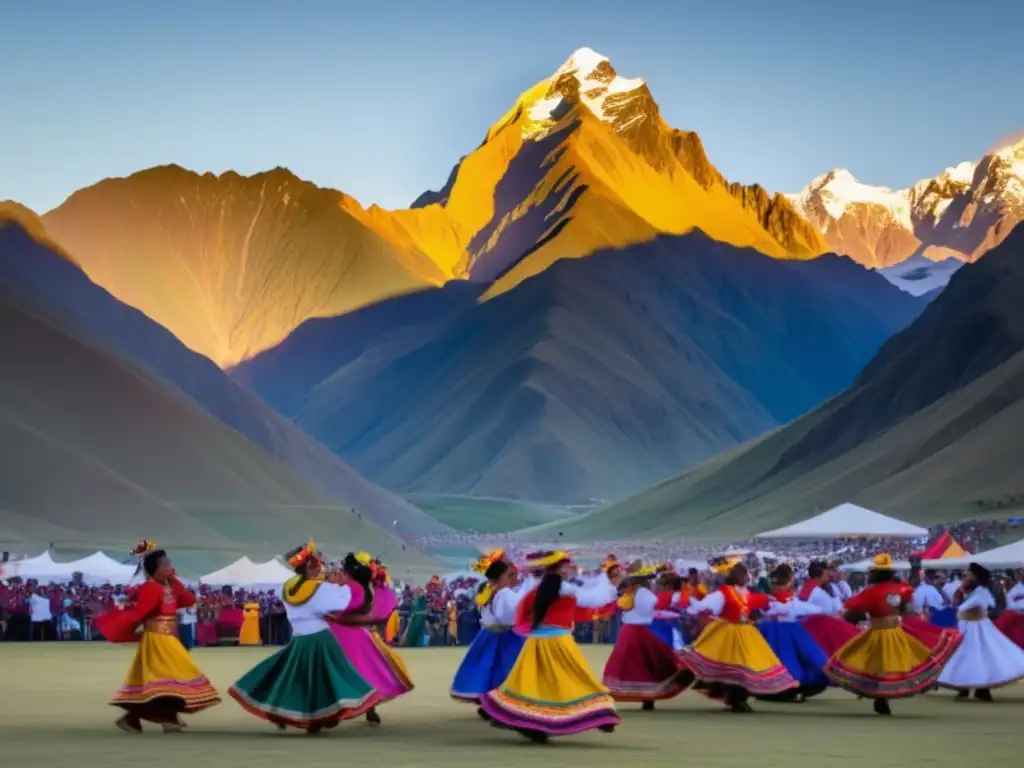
(309, 684)
(550, 690)
(929, 602)
(355, 629)
(642, 667)
(671, 602)
(828, 630)
(886, 662)
(496, 647)
(1011, 621)
(792, 643)
(416, 629)
(731, 660)
(986, 658)
(162, 682)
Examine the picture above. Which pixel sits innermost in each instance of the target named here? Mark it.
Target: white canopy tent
(245, 573)
(98, 568)
(273, 572)
(42, 568)
(1007, 556)
(848, 521)
(233, 574)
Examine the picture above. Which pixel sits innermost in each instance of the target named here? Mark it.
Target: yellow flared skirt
(393, 659)
(162, 668)
(888, 663)
(737, 655)
(392, 628)
(551, 689)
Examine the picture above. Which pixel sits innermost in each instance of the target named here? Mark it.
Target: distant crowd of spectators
(33, 611)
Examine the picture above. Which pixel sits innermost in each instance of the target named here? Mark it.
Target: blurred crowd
(33, 611)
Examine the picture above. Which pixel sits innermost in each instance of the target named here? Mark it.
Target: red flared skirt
(1011, 624)
(932, 635)
(829, 632)
(642, 668)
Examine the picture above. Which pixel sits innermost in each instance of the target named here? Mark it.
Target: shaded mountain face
(929, 430)
(97, 451)
(33, 271)
(591, 379)
(582, 162)
(962, 213)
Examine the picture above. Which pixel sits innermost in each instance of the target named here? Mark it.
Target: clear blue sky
(380, 98)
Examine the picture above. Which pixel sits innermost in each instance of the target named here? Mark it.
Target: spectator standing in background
(41, 615)
(187, 626)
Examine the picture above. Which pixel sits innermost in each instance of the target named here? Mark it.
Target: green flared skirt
(307, 683)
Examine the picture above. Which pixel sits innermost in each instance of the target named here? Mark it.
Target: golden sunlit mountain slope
(929, 431)
(581, 162)
(231, 264)
(96, 451)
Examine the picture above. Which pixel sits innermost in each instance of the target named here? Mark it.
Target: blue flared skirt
(802, 657)
(490, 658)
(944, 617)
(667, 630)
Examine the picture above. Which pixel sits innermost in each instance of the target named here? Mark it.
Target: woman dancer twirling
(162, 682)
(550, 690)
(886, 662)
(496, 647)
(308, 684)
(356, 633)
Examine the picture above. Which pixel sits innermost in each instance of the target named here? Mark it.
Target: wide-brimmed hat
(882, 562)
(546, 559)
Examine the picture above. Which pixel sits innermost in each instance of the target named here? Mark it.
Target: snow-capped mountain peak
(961, 213)
(837, 190)
(588, 78)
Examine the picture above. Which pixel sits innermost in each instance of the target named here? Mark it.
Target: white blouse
(308, 618)
(642, 611)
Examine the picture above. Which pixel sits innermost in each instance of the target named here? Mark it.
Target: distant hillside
(95, 451)
(928, 432)
(30, 269)
(592, 379)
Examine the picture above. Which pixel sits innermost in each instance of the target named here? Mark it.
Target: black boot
(538, 737)
(963, 695)
(882, 707)
(372, 717)
(482, 714)
(648, 706)
(983, 694)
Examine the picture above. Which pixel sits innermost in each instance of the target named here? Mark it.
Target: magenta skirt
(370, 661)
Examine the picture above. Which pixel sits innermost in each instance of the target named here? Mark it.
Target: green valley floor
(53, 712)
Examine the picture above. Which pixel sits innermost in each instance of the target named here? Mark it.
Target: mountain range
(47, 283)
(592, 379)
(958, 215)
(928, 431)
(585, 307)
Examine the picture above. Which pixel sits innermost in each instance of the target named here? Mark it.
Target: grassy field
(484, 515)
(53, 712)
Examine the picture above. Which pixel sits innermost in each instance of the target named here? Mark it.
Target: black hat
(981, 574)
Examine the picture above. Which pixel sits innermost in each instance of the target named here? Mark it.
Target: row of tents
(98, 569)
